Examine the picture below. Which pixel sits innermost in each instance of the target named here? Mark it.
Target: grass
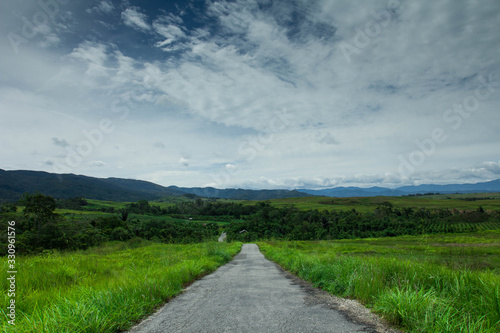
(165, 202)
(438, 283)
(107, 288)
(72, 212)
(92, 210)
(361, 204)
(368, 204)
(98, 204)
(468, 251)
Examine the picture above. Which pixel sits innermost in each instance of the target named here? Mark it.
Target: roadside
(351, 309)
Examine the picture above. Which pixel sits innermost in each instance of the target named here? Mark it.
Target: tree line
(40, 228)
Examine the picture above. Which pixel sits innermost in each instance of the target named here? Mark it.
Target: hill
(241, 194)
(13, 184)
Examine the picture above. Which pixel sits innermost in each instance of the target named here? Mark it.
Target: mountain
(485, 187)
(241, 194)
(354, 192)
(13, 184)
(145, 187)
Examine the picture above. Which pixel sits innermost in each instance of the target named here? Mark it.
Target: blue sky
(254, 93)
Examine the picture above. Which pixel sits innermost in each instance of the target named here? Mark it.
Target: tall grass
(105, 289)
(417, 296)
(369, 204)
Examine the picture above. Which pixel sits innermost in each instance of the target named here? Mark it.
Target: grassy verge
(105, 289)
(417, 291)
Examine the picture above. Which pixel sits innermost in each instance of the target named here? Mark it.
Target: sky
(254, 94)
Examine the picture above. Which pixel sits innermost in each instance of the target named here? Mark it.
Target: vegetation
(466, 201)
(419, 281)
(106, 288)
(39, 210)
(79, 223)
(439, 283)
(290, 223)
(40, 226)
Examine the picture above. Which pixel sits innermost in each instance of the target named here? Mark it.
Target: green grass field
(92, 211)
(362, 204)
(99, 204)
(367, 204)
(437, 283)
(107, 288)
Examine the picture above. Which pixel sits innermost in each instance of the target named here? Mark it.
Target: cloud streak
(133, 18)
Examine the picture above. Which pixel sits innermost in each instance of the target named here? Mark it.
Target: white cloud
(493, 168)
(94, 55)
(231, 167)
(133, 18)
(184, 161)
(96, 164)
(50, 39)
(106, 6)
(170, 32)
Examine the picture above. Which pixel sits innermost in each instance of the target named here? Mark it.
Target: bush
(120, 234)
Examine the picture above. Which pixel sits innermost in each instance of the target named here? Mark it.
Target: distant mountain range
(13, 184)
(485, 187)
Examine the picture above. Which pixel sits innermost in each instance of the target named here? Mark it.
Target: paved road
(249, 294)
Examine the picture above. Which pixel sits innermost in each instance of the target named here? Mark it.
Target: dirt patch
(351, 309)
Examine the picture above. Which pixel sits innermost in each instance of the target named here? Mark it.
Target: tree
(8, 208)
(123, 214)
(120, 234)
(143, 205)
(108, 223)
(39, 209)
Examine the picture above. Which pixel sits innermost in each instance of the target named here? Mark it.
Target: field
(98, 204)
(461, 202)
(430, 283)
(368, 204)
(94, 210)
(107, 288)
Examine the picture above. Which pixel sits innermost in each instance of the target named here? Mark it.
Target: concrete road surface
(249, 294)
